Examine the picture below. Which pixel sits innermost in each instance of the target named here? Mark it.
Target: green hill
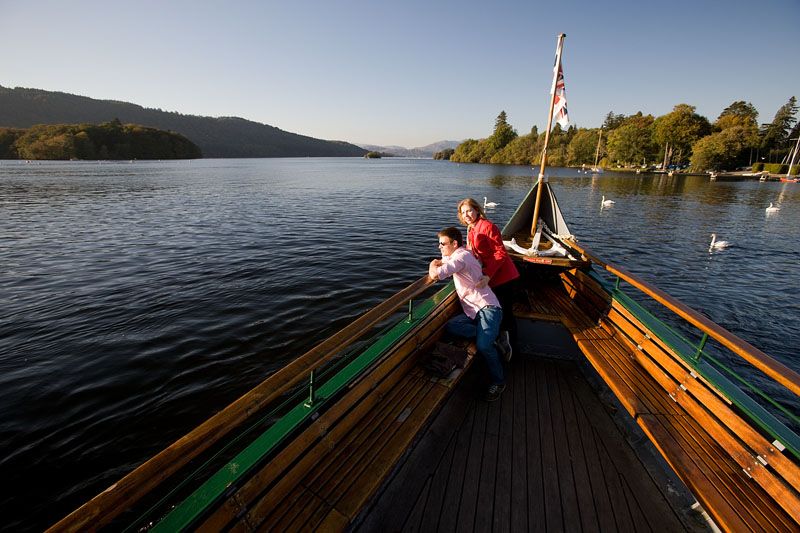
(110, 140)
(216, 137)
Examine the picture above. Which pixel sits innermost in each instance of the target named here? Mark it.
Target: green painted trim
(702, 362)
(213, 489)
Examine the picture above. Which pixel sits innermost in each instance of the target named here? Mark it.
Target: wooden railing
(772, 368)
(107, 505)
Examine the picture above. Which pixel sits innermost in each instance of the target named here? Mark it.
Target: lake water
(137, 299)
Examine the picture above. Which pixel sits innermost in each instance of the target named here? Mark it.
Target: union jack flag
(560, 102)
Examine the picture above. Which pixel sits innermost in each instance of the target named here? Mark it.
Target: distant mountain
(216, 137)
(422, 151)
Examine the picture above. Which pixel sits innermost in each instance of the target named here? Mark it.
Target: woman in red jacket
(486, 243)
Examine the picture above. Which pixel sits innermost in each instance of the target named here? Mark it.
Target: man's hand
(436, 263)
(484, 281)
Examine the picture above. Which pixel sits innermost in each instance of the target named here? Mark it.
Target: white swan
(717, 245)
(606, 203)
(488, 204)
(772, 209)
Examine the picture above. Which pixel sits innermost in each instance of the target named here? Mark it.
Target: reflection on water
(136, 299)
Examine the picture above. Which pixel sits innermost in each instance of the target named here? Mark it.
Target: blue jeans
(484, 329)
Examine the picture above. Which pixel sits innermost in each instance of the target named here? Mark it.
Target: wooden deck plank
(535, 484)
(552, 498)
(518, 518)
(592, 442)
(434, 448)
(487, 485)
(438, 487)
(564, 460)
(468, 505)
(577, 453)
(609, 475)
(448, 518)
(416, 518)
(616, 491)
(621, 455)
(501, 518)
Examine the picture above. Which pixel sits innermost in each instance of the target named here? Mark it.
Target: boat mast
(794, 154)
(540, 185)
(597, 153)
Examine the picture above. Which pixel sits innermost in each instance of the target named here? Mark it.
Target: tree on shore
(503, 132)
(613, 121)
(110, 140)
(739, 113)
(583, 147)
(640, 139)
(735, 136)
(483, 151)
(523, 150)
(632, 142)
(445, 154)
(775, 135)
(679, 130)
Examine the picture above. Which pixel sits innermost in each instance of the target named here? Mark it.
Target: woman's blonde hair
(474, 205)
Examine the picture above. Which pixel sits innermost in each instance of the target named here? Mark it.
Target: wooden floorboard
(577, 456)
(468, 505)
(532, 446)
(549, 466)
(546, 457)
(518, 512)
(605, 433)
(449, 513)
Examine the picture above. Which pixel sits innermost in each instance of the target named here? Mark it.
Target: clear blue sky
(405, 73)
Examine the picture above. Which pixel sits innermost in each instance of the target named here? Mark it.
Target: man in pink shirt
(482, 312)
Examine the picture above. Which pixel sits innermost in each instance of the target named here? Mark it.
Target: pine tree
(503, 132)
(776, 134)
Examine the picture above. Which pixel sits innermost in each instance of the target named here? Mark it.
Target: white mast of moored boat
(794, 154)
(547, 133)
(596, 169)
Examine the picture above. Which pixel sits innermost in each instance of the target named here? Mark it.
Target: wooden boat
(354, 434)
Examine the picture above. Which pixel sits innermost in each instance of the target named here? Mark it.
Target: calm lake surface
(137, 299)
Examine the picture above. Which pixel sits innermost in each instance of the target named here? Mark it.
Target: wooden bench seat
(736, 474)
(326, 474)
